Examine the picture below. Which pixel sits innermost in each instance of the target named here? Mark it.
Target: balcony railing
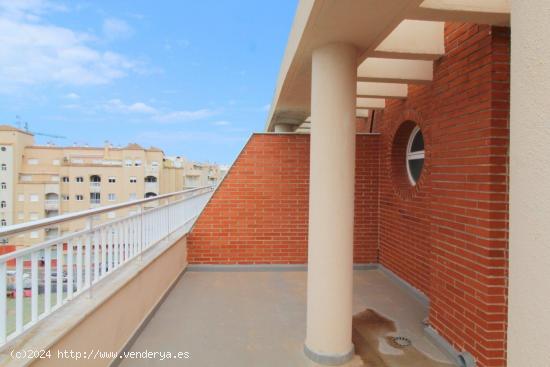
(51, 204)
(95, 186)
(58, 270)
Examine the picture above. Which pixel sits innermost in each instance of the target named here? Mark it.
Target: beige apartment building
(43, 181)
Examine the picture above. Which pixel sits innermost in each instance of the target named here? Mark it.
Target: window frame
(411, 156)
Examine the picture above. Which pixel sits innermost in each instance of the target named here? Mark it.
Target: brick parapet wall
(259, 214)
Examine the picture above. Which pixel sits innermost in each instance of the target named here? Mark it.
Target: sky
(194, 78)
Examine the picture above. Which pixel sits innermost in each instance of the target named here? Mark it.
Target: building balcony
(51, 204)
(95, 186)
(258, 318)
(47, 286)
(151, 186)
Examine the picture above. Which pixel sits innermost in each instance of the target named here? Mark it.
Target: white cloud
(35, 52)
(221, 123)
(180, 116)
(162, 138)
(29, 10)
(158, 115)
(114, 28)
(116, 105)
(72, 95)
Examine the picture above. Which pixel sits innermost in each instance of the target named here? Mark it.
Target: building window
(133, 179)
(111, 197)
(56, 162)
(415, 155)
(128, 163)
(137, 163)
(95, 178)
(65, 179)
(112, 179)
(192, 181)
(34, 234)
(33, 198)
(3, 186)
(65, 197)
(3, 204)
(4, 167)
(21, 197)
(154, 164)
(3, 149)
(95, 198)
(3, 223)
(150, 179)
(32, 162)
(133, 196)
(150, 194)
(80, 179)
(79, 197)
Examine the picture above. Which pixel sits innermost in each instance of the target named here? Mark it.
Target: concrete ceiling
(397, 40)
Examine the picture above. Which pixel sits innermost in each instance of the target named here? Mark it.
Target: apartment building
(43, 181)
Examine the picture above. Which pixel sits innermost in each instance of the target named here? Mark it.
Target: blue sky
(194, 78)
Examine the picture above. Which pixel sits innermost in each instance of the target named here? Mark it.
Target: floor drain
(400, 341)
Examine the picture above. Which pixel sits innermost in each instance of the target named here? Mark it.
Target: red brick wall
(448, 235)
(259, 214)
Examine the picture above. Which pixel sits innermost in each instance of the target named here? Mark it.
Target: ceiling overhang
(397, 42)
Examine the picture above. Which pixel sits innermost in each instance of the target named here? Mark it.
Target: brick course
(259, 214)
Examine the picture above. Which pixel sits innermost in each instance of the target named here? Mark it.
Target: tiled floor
(253, 319)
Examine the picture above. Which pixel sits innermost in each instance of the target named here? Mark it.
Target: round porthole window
(415, 155)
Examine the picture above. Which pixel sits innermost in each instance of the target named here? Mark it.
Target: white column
(529, 247)
(331, 203)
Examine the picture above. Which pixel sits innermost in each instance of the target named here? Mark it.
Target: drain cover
(400, 341)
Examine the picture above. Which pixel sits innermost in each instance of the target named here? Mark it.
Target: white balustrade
(85, 257)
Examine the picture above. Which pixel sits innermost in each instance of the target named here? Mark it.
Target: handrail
(59, 269)
(40, 223)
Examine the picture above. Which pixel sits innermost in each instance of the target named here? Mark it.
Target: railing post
(88, 255)
(141, 233)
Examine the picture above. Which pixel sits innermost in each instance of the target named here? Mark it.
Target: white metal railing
(51, 204)
(95, 186)
(52, 273)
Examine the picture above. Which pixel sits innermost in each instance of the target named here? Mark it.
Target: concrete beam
(395, 71)
(371, 103)
(362, 113)
(413, 39)
(382, 90)
(494, 12)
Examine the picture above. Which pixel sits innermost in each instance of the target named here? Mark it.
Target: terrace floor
(258, 319)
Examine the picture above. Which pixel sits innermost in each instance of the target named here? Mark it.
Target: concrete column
(331, 204)
(529, 247)
(284, 128)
